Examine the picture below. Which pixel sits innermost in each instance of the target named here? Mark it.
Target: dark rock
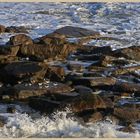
(16, 71)
(70, 31)
(129, 53)
(92, 74)
(83, 89)
(2, 29)
(24, 91)
(9, 50)
(6, 59)
(2, 122)
(95, 50)
(55, 73)
(14, 29)
(128, 129)
(63, 97)
(94, 81)
(52, 38)
(87, 102)
(125, 70)
(107, 60)
(127, 87)
(75, 67)
(113, 119)
(43, 104)
(93, 68)
(11, 109)
(129, 115)
(43, 51)
(95, 117)
(59, 88)
(21, 39)
(46, 47)
(87, 57)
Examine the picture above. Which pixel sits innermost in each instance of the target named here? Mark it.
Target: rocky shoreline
(51, 73)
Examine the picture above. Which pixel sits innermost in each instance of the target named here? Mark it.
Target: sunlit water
(119, 20)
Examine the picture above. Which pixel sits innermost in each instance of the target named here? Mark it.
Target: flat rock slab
(17, 71)
(59, 88)
(70, 31)
(43, 104)
(87, 102)
(24, 91)
(94, 81)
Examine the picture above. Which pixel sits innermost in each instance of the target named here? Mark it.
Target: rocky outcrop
(70, 31)
(129, 53)
(14, 29)
(23, 71)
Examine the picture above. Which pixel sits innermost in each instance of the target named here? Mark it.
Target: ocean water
(119, 20)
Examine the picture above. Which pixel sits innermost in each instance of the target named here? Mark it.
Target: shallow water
(119, 20)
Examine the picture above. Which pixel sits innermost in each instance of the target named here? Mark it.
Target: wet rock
(125, 70)
(70, 31)
(92, 74)
(94, 81)
(55, 73)
(75, 67)
(87, 102)
(21, 39)
(13, 50)
(6, 59)
(11, 109)
(128, 129)
(95, 117)
(2, 29)
(129, 115)
(16, 71)
(24, 91)
(43, 51)
(49, 46)
(93, 68)
(14, 29)
(52, 38)
(110, 60)
(134, 105)
(127, 87)
(59, 88)
(2, 122)
(129, 53)
(62, 97)
(95, 50)
(109, 104)
(83, 89)
(87, 57)
(43, 104)
(113, 119)
(128, 77)
(9, 50)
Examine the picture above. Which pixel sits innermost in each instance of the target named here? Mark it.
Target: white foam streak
(22, 125)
